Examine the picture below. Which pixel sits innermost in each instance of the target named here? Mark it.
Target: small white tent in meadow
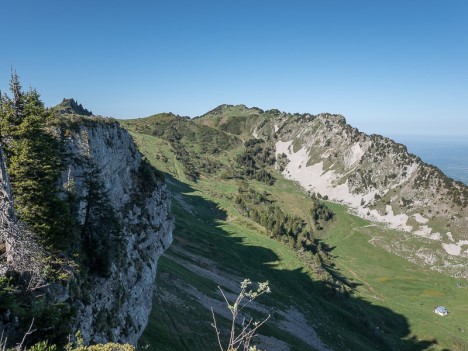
(440, 310)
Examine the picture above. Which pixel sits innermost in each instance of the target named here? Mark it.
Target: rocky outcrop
(123, 225)
(70, 106)
(104, 162)
(379, 180)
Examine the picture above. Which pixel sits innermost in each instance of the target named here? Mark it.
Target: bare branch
(217, 331)
(29, 332)
(242, 337)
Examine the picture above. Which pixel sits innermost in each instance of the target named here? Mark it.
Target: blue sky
(390, 67)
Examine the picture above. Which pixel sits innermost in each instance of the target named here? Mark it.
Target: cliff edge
(103, 280)
(123, 210)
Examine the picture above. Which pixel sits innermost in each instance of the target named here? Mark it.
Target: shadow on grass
(340, 280)
(348, 322)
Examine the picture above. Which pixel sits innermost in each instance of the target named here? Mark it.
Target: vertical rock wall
(123, 222)
(116, 306)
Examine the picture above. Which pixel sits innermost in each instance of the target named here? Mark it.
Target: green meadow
(390, 308)
(391, 281)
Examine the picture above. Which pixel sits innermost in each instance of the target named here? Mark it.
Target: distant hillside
(376, 177)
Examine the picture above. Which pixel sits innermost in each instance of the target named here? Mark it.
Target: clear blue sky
(390, 67)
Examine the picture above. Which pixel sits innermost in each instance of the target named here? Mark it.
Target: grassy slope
(391, 281)
(396, 297)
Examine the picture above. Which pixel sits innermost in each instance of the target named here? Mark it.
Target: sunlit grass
(241, 247)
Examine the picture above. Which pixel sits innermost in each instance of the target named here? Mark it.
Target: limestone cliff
(120, 302)
(123, 225)
(379, 180)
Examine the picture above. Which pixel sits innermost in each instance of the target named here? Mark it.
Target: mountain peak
(70, 106)
(238, 110)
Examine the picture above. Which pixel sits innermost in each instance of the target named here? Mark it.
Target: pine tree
(18, 99)
(34, 162)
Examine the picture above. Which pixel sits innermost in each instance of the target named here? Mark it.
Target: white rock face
(354, 155)
(113, 306)
(314, 178)
(116, 307)
(456, 249)
(378, 180)
(420, 219)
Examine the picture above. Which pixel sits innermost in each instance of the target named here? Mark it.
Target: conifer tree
(17, 100)
(34, 162)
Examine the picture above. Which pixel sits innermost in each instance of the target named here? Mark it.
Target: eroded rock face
(378, 180)
(123, 225)
(114, 304)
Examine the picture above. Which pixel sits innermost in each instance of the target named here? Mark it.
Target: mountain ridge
(246, 188)
(332, 159)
